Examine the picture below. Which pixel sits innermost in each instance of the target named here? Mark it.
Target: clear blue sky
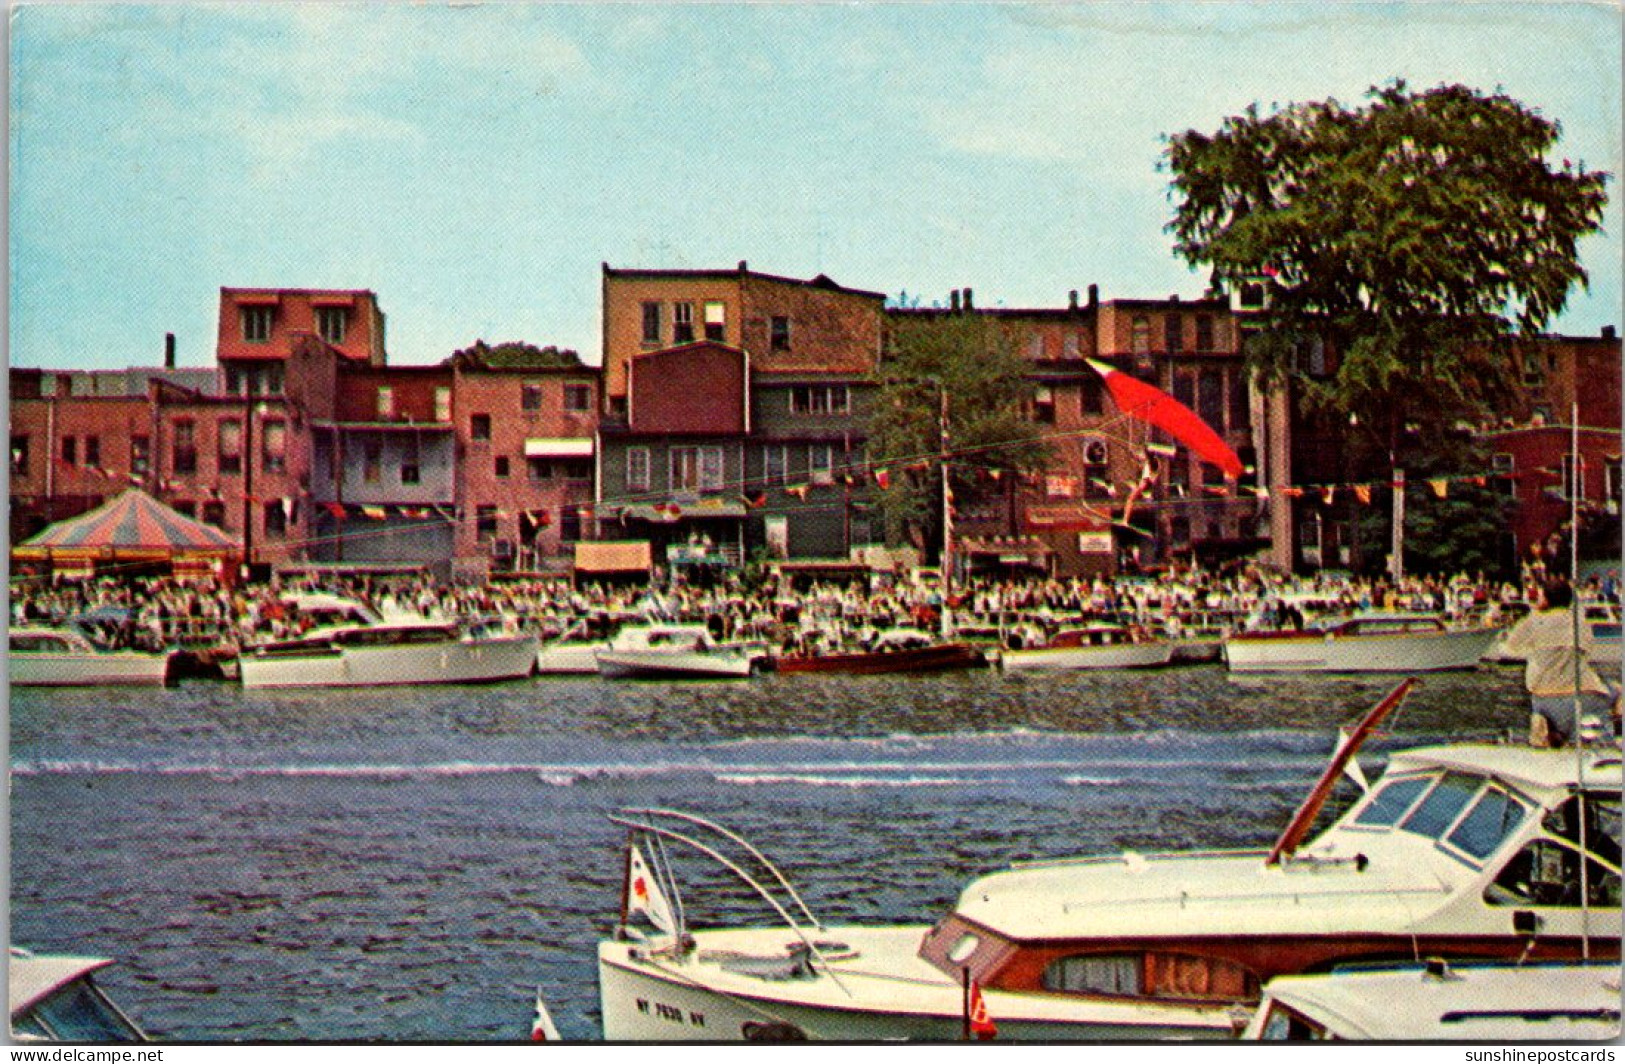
(474, 164)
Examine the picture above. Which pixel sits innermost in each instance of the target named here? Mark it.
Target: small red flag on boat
(1154, 406)
(883, 478)
(982, 1027)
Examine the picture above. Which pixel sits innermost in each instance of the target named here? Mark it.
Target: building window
(502, 465)
(530, 398)
(1571, 478)
(577, 398)
(372, 462)
(185, 509)
(1092, 396)
(19, 455)
(820, 399)
(70, 450)
(230, 456)
(442, 404)
(411, 471)
(1204, 332)
(637, 469)
(696, 468)
(331, 322)
(1069, 346)
(184, 459)
(386, 402)
(479, 426)
(716, 322)
(214, 513)
(1140, 335)
(1096, 469)
(276, 519)
(1611, 471)
(573, 468)
(570, 524)
(775, 463)
(485, 521)
(93, 451)
(1173, 333)
(779, 332)
(682, 323)
(539, 468)
(651, 324)
(140, 455)
(1044, 405)
(821, 463)
(1241, 401)
(257, 324)
(1210, 398)
(275, 457)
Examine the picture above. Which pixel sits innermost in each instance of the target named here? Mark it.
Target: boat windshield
(78, 1012)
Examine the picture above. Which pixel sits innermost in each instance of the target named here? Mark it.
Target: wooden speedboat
(1462, 851)
(896, 650)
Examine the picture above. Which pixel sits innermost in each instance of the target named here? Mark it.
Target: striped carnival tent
(132, 529)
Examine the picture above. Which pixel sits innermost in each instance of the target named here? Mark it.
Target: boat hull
(87, 670)
(665, 1000)
(925, 659)
(454, 661)
(1119, 656)
(689, 665)
(568, 659)
(1318, 652)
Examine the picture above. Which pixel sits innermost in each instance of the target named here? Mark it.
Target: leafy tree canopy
(1415, 233)
(515, 354)
(972, 360)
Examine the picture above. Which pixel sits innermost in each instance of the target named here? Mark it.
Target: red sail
(1154, 406)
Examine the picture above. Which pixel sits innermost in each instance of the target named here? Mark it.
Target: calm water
(412, 865)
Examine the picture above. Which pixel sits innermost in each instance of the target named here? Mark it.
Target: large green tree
(991, 438)
(516, 354)
(1415, 233)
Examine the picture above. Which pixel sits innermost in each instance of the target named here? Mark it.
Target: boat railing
(1132, 857)
(644, 821)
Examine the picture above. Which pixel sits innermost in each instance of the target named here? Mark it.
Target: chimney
(1608, 332)
(169, 350)
(744, 267)
(967, 299)
(1072, 300)
(1094, 296)
(953, 300)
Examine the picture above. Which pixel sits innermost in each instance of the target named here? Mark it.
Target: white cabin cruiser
(676, 651)
(1391, 643)
(1464, 851)
(48, 656)
(1098, 646)
(358, 648)
(1435, 1001)
(55, 998)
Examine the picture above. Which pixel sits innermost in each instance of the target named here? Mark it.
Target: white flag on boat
(643, 893)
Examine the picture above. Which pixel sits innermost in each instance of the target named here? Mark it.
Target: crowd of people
(170, 612)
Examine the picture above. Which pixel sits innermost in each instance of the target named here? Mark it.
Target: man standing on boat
(1551, 671)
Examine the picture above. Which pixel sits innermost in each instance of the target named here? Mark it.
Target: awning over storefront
(1065, 519)
(558, 447)
(613, 557)
(1007, 550)
(684, 510)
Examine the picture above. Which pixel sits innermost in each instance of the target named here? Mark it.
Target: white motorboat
(676, 651)
(55, 999)
(1509, 1003)
(1098, 646)
(1469, 850)
(573, 651)
(43, 656)
(1392, 643)
(359, 649)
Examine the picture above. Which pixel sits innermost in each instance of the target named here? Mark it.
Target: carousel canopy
(133, 522)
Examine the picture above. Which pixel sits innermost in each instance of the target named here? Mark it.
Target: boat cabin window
(962, 950)
(1547, 873)
(79, 1013)
(1442, 805)
(1492, 818)
(1117, 973)
(1391, 801)
(1284, 1025)
(1601, 825)
(39, 644)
